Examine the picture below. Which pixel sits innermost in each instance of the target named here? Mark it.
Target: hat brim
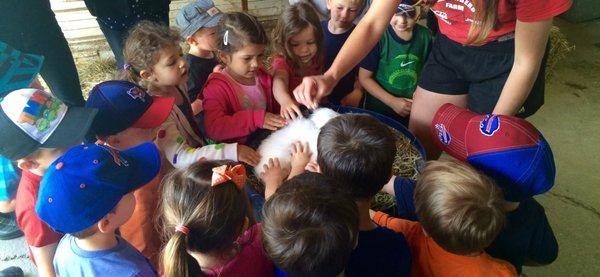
(72, 129)
(448, 128)
(156, 114)
(145, 158)
(194, 27)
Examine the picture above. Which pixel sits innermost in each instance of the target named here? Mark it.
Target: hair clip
(224, 173)
(226, 38)
(183, 229)
(126, 66)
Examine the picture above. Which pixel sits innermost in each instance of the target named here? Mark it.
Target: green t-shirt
(398, 67)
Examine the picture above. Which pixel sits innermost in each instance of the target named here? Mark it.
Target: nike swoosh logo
(402, 64)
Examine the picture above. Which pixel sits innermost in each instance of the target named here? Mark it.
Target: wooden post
(245, 5)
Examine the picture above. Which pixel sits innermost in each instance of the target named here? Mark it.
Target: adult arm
(530, 43)
(43, 257)
(366, 34)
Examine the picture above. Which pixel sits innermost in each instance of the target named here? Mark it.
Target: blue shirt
(380, 252)
(332, 45)
(121, 260)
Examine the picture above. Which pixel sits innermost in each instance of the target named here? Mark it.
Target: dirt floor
(570, 121)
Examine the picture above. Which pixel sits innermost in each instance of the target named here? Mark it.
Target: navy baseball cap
(89, 180)
(17, 69)
(406, 8)
(196, 15)
(508, 149)
(122, 104)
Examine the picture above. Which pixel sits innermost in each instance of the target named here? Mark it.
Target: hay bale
(559, 48)
(94, 71)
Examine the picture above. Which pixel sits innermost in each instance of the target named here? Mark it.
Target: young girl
(238, 100)
(298, 47)
(153, 59)
(207, 222)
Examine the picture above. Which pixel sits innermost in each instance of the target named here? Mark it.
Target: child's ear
(223, 57)
(328, 4)
(146, 74)
(113, 141)
(190, 40)
(26, 164)
(106, 224)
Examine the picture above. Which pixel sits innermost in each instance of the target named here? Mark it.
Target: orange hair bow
(224, 173)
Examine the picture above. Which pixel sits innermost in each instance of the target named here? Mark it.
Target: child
(208, 223)
(153, 59)
(298, 47)
(36, 129)
(358, 152)
(310, 227)
(87, 194)
(127, 116)
(460, 212)
(238, 100)
(391, 70)
(336, 30)
(514, 153)
(197, 22)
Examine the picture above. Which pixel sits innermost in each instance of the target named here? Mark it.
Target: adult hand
(247, 155)
(273, 122)
(313, 89)
(401, 106)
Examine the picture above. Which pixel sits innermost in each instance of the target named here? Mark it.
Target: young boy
(358, 152)
(36, 129)
(87, 194)
(390, 71)
(198, 22)
(515, 154)
(461, 213)
(128, 116)
(336, 30)
(320, 223)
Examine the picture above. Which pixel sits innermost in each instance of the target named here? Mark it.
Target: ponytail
(484, 21)
(175, 259)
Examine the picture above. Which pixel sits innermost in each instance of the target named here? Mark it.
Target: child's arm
(289, 109)
(220, 125)
(180, 154)
(43, 257)
(403, 226)
(300, 158)
(196, 106)
(354, 97)
(400, 105)
(273, 176)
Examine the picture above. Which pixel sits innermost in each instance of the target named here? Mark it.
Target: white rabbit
(278, 144)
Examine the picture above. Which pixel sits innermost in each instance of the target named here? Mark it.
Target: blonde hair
(292, 21)
(460, 208)
(485, 20)
(142, 48)
(215, 217)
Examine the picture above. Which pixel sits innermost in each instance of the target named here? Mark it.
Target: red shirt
(295, 76)
(455, 16)
(37, 233)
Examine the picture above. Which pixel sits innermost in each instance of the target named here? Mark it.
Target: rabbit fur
(278, 144)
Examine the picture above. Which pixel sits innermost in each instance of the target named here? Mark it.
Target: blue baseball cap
(508, 149)
(17, 69)
(196, 15)
(122, 104)
(88, 181)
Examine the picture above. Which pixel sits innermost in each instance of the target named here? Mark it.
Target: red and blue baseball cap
(87, 182)
(508, 149)
(122, 104)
